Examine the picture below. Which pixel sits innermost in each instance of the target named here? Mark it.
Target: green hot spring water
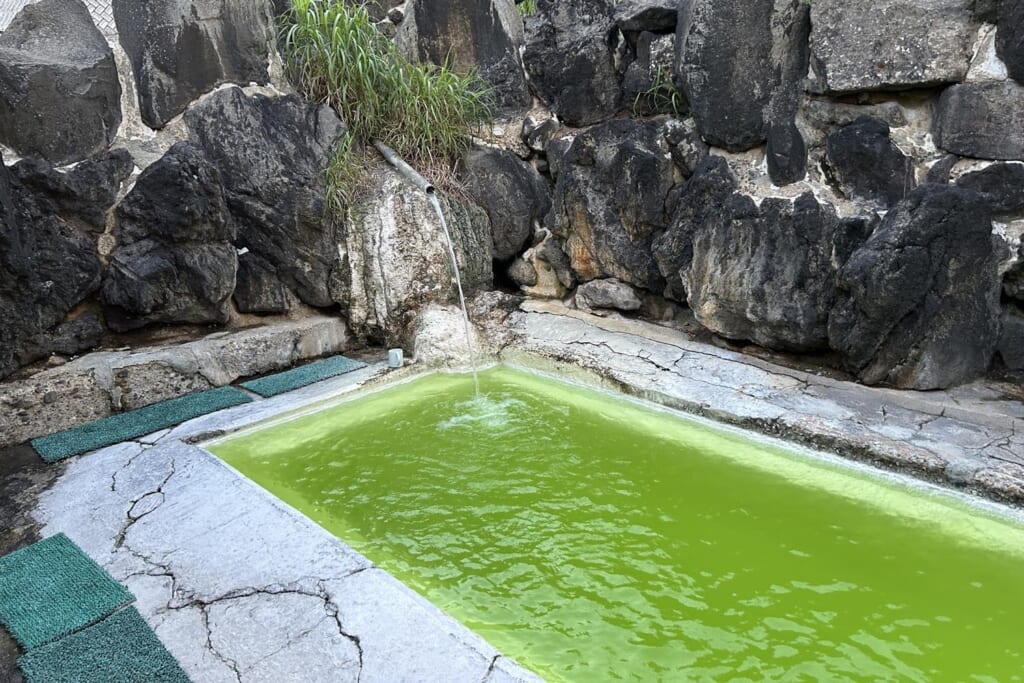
(593, 539)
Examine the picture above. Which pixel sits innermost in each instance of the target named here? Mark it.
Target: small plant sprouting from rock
(663, 97)
(427, 113)
(527, 8)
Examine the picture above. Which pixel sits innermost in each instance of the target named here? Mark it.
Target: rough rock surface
(398, 259)
(983, 120)
(181, 49)
(652, 68)
(865, 163)
(174, 262)
(767, 273)
(83, 194)
(723, 64)
(512, 193)
(610, 293)
(786, 154)
(919, 302)
(687, 147)
(59, 93)
(710, 186)
(889, 44)
(1002, 184)
(569, 57)
(480, 35)
(610, 201)
(1010, 38)
(46, 269)
(272, 154)
(787, 150)
(544, 270)
(1011, 339)
(646, 15)
(258, 289)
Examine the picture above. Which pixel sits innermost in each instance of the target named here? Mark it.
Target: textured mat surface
(273, 385)
(136, 423)
(52, 588)
(120, 649)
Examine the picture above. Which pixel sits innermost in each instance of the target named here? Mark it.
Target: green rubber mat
(120, 649)
(52, 588)
(272, 385)
(136, 423)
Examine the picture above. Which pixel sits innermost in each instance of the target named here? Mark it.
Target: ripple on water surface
(594, 539)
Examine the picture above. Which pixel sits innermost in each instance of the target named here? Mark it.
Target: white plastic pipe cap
(395, 358)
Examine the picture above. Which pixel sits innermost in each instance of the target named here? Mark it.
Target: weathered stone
(82, 195)
(786, 154)
(27, 411)
(67, 339)
(471, 35)
(919, 302)
(647, 84)
(1011, 339)
(987, 10)
(646, 15)
(610, 293)
(687, 147)
(258, 289)
(712, 183)
(864, 163)
(610, 201)
(272, 154)
(828, 115)
(556, 149)
(544, 271)
(181, 49)
(538, 129)
(765, 273)
(46, 269)
(174, 263)
(723, 65)
(570, 61)
(59, 93)
(397, 257)
(1010, 38)
(1001, 184)
(513, 194)
(522, 272)
(983, 120)
(939, 172)
(889, 44)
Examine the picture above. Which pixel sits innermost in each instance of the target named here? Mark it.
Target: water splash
(471, 354)
(492, 415)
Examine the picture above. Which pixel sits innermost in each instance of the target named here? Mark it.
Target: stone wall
(843, 177)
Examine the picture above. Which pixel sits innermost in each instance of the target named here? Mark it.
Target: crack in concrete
(490, 668)
(130, 520)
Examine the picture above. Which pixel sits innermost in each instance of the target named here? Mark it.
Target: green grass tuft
(426, 113)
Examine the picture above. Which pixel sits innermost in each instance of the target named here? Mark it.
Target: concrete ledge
(102, 383)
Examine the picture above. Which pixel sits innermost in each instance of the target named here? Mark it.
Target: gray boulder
(918, 306)
(707, 190)
(1002, 185)
(1010, 38)
(46, 269)
(397, 257)
(646, 15)
(982, 120)
(889, 44)
(59, 94)
(1011, 339)
(174, 262)
(786, 153)
(272, 154)
(862, 160)
(258, 289)
(786, 150)
(766, 273)
(181, 49)
(607, 294)
(81, 195)
(512, 193)
(570, 58)
(610, 201)
(687, 147)
(472, 35)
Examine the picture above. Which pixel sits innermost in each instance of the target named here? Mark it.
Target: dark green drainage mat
(290, 380)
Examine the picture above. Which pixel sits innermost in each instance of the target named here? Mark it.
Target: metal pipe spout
(391, 156)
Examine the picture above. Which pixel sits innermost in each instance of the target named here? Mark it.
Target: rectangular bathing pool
(592, 538)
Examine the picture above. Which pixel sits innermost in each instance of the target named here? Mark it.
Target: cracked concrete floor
(240, 587)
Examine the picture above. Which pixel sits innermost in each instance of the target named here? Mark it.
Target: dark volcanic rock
(1002, 184)
(570, 59)
(59, 94)
(723, 65)
(1010, 38)
(647, 84)
(786, 154)
(987, 10)
(712, 183)
(889, 44)
(766, 273)
(646, 15)
(512, 193)
(538, 129)
(865, 163)
(46, 269)
(181, 49)
(472, 35)
(174, 262)
(919, 302)
(258, 288)
(687, 147)
(787, 151)
(1011, 339)
(67, 339)
(610, 201)
(983, 120)
(272, 154)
